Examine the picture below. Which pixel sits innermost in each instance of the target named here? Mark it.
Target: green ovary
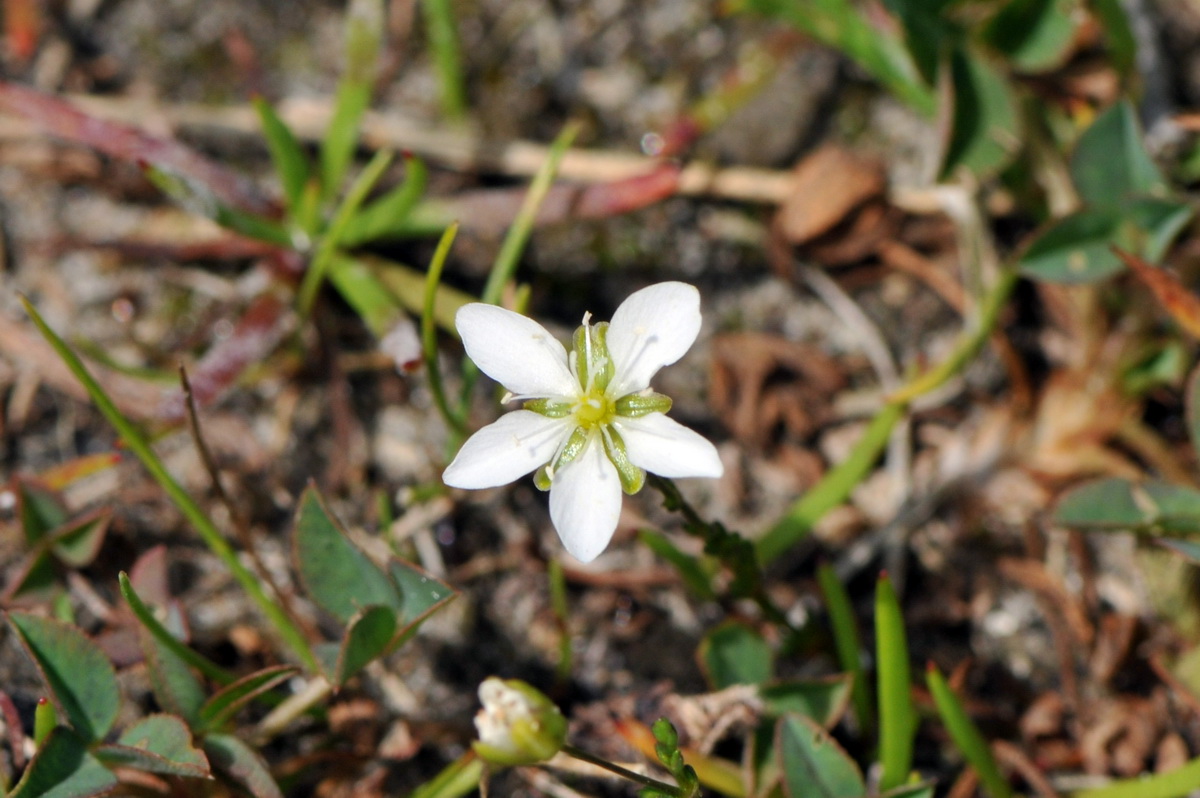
(593, 410)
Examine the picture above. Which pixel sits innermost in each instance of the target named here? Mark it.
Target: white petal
(667, 448)
(512, 446)
(585, 503)
(515, 351)
(653, 328)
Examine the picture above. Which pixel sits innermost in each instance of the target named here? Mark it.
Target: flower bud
(517, 725)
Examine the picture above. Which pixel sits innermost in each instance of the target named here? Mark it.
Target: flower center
(593, 409)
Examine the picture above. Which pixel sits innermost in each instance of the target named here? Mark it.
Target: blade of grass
(514, 243)
(847, 642)
(291, 164)
(390, 212)
(897, 721)
(146, 616)
(1176, 783)
(364, 35)
(833, 489)
(249, 581)
(447, 57)
(562, 615)
(429, 333)
(333, 234)
(460, 777)
(966, 735)
(407, 285)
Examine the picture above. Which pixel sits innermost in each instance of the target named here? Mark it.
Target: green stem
(136, 443)
(458, 778)
(517, 237)
(835, 487)
(429, 332)
(625, 773)
(447, 57)
(168, 640)
(328, 246)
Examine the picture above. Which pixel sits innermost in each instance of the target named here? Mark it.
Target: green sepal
(636, 405)
(632, 477)
(550, 408)
(571, 450)
(595, 372)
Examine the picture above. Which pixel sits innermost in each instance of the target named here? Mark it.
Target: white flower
(590, 425)
(517, 725)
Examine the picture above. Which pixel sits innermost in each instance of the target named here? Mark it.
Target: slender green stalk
(897, 720)
(833, 489)
(968, 346)
(1172, 784)
(518, 235)
(328, 245)
(287, 629)
(458, 778)
(625, 773)
(514, 242)
(429, 333)
(562, 614)
(847, 642)
(146, 617)
(966, 735)
(447, 57)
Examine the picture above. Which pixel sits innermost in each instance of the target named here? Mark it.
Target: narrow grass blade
(429, 334)
(169, 641)
(288, 157)
(447, 57)
(364, 32)
(332, 238)
(1173, 784)
(897, 718)
(137, 444)
(387, 216)
(847, 642)
(966, 735)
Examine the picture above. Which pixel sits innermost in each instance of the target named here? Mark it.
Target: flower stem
(645, 781)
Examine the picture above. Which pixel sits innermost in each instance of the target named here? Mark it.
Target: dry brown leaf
(827, 186)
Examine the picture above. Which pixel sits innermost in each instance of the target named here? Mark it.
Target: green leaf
(927, 32)
(824, 700)
(239, 762)
(367, 636)
(813, 764)
(157, 744)
(81, 680)
(78, 541)
(420, 593)
(64, 768)
(374, 303)
(1175, 783)
(385, 217)
(966, 735)
(1157, 223)
(690, 568)
(1034, 35)
(1192, 409)
(1075, 249)
(200, 200)
(175, 687)
(291, 163)
(897, 717)
(1119, 504)
(733, 653)
(1110, 164)
(364, 34)
(841, 25)
(224, 704)
(847, 642)
(983, 126)
(339, 577)
(40, 510)
(921, 790)
(1122, 46)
